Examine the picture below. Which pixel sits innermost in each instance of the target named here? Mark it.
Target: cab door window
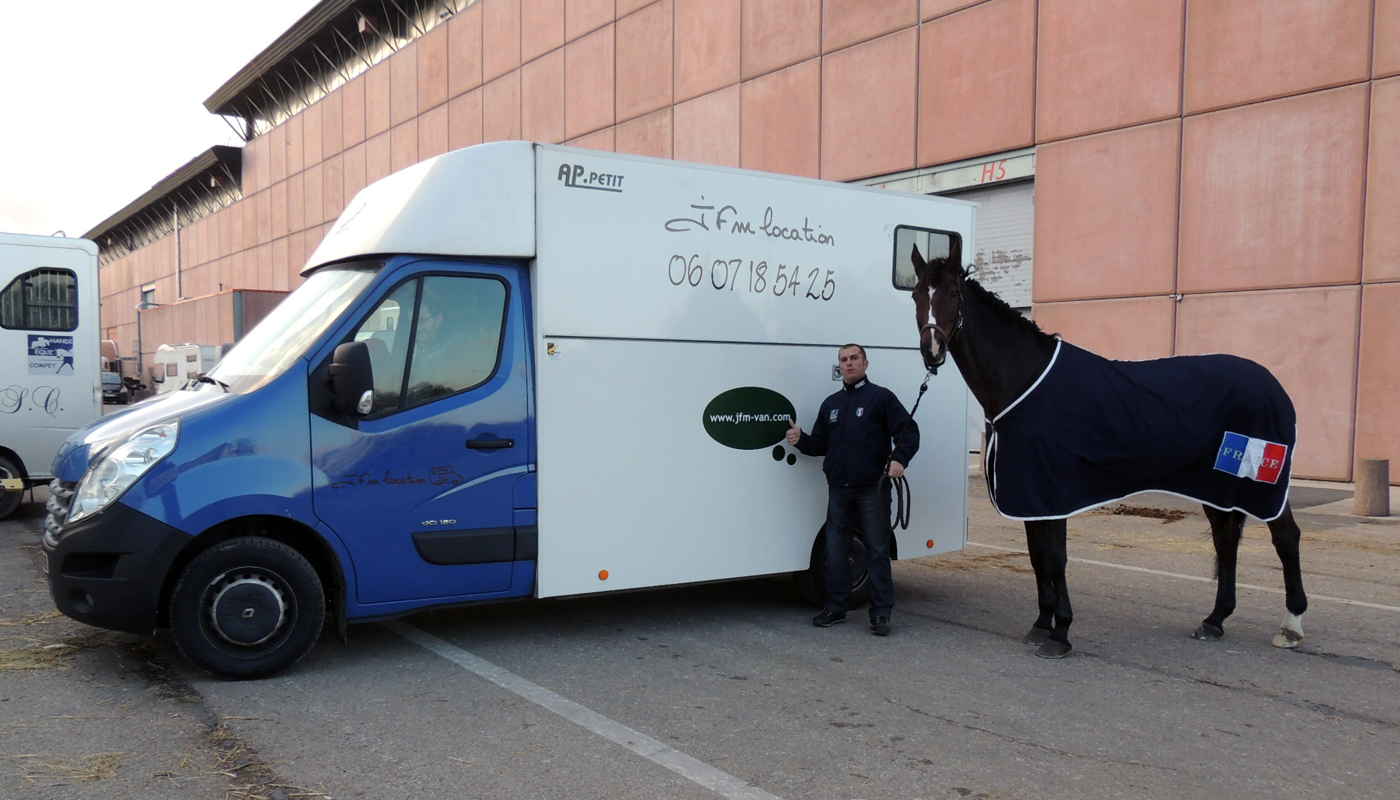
(456, 337)
(388, 344)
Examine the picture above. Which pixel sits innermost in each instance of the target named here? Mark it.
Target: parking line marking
(692, 769)
(1311, 596)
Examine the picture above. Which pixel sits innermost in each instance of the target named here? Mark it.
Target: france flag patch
(1246, 457)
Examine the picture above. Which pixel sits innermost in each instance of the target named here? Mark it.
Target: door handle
(489, 444)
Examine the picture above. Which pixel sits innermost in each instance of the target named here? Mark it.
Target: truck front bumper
(109, 570)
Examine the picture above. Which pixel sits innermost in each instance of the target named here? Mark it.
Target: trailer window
(44, 299)
(931, 243)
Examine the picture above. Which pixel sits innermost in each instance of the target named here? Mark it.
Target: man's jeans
(863, 509)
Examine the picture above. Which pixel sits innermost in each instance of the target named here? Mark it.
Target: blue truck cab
(511, 371)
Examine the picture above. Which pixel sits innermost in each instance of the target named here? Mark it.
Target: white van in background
(50, 364)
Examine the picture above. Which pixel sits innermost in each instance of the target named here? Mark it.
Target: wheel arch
(13, 457)
(296, 535)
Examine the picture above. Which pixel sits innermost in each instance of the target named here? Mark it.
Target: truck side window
(388, 345)
(44, 299)
(457, 338)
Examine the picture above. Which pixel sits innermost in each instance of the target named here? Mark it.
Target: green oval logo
(749, 418)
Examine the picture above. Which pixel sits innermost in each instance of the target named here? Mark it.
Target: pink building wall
(1211, 175)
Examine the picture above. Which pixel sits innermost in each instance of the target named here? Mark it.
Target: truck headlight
(121, 466)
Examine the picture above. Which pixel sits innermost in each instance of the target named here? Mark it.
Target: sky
(101, 100)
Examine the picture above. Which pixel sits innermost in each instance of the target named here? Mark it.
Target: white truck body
(177, 364)
(656, 289)
(50, 362)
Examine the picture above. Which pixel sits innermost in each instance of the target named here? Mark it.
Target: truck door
(421, 489)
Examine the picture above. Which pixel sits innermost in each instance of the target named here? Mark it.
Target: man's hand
(794, 432)
(896, 469)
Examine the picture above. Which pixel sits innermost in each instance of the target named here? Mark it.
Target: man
(854, 430)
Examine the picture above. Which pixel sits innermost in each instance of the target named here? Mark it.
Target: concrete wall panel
(332, 187)
(1382, 253)
(311, 134)
(541, 27)
(778, 35)
(1387, 46)
(354, 167)
(500, 37)
(646, 136)
(378, 158)
(542, 99)
(432, 132)
(1271, 193)
(1130, 329)
(296, 203)
(313, 193)
(928, 9)
(1105, 222)
(848, 22)
(464, 51)
(974, 98)
(644, 61)
(332, 128)
(378, 89)
(464, 120)
(781, 122)
(707, 129)
(1378, 395)
(1241, 51)
(582, 17)
(403, 153)
(1316, 363)
(868, 101)
(403, 79)
(605, 140)
(707, 46)
(432, 69)
(277, 153)
(500, 109)
(589, 80)
(1107, 64)
(352, 106)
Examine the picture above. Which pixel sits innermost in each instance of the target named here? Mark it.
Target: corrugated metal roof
(219, 160)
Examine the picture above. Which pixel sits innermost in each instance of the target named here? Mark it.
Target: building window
(148, 295)
(44, 299)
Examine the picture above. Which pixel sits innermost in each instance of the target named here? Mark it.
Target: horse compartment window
(931, 243)
(44, 299)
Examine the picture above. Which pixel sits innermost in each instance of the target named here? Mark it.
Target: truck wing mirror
(352, 378)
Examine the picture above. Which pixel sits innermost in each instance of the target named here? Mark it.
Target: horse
(1052, 454)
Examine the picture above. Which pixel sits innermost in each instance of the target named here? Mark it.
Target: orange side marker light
(603, 575)
(930, 544)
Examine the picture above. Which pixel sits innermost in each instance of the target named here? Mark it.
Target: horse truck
(50, 365)
(628, 338)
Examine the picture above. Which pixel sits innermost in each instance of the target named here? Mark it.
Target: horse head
(938, 302)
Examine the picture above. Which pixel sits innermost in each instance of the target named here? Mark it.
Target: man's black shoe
(880, 626)
(826, 619)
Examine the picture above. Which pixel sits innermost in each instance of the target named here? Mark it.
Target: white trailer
(178, 364)
(50, 364)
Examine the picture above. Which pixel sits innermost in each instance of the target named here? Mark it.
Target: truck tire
(9, 501)
(247, 608)
(811, 582)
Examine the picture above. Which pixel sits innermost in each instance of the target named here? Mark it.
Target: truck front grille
(60, 501)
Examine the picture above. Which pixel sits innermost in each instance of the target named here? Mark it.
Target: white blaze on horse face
(932, 318)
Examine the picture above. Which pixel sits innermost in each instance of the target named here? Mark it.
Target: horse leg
(1226, 527)
(1045, 597)
(1054, 533)
(1287, 536)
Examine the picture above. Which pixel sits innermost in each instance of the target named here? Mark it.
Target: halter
(942, 341)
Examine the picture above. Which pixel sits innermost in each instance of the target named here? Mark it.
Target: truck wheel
(811, 582)
(247, 608)
(9, 501)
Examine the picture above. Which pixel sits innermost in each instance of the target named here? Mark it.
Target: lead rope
(903, 495)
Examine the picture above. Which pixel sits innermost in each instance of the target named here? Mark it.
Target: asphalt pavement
(726, 690)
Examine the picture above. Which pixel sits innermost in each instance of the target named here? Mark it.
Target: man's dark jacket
(854, 429)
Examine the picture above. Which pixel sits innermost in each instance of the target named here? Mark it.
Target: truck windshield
(284, 334)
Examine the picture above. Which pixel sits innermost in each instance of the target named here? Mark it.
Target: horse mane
(1000, 307)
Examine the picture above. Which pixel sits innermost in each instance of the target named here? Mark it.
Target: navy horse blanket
(1217, 429)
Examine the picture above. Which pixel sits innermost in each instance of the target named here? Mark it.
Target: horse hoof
(1208, 632)
(1037, 636)
(1054, 649)
(1288, 639)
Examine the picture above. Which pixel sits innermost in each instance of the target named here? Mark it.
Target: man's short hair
(849, 345)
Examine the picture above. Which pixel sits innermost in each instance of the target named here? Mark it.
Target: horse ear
(955, 252)
(918, 261)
